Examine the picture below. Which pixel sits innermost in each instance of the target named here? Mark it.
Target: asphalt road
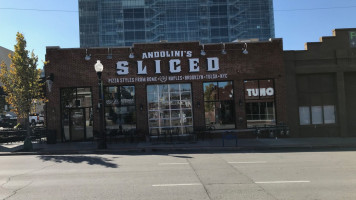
(245, 175)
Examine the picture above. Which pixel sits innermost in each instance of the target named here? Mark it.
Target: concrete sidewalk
(201, 145)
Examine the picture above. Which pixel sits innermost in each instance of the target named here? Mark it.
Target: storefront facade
(321, 86)
(177, 87)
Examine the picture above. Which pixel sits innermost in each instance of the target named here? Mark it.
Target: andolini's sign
(174, 64)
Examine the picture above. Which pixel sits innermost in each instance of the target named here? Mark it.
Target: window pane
(210, 112)
(329, 114)
(317, 117)
(266, 88)
(68, 97)
(84, 96)
(185, 87)
(219, 104)
(128, 95)
(304, 115)
(210, 91)
(173, 110)
(185, 96)
(174, 88)
(251, 89)
(120, 110)
(225, 90)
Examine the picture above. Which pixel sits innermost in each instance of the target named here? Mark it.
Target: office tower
(107, 23)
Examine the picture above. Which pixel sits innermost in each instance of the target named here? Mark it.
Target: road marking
(252, 162)
(171, 185)
(173, 163)
(277, 182)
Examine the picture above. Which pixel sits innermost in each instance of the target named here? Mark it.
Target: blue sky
(296, 21)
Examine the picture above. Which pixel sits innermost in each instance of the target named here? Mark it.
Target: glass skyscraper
(107, 23)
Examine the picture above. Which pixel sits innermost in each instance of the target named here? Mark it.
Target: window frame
(323, 123)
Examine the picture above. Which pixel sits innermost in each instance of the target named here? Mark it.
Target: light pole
(102, 141)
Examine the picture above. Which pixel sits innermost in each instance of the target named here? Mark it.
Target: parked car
(7, 122)
(36, 119)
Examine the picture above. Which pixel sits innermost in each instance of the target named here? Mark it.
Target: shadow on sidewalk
(90, 160)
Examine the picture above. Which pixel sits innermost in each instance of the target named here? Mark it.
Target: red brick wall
(264, 61)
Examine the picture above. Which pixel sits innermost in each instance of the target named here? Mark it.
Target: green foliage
(209, 95)
(18, 125)
(21, 79)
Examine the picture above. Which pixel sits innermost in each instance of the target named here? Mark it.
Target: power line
(40, 10)
(75, 11)
(306, 9)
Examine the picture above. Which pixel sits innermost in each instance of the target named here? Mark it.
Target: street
(244, 175)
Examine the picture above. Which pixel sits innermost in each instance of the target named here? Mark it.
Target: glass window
(120, 109)
(304, 115)
(317, 117)
(129, 25)
(219, 105)
(225, 90)
(68, 97)
(259, 97)
(259, 89)
(260, 114)
(210, 91)
(169, 108)
(77, 113)
(329, 114)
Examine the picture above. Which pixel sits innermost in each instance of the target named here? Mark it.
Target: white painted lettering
(177, 53)
(150, 55)
(260, 92)
(168, 54)
(270, 91)
(141, 69)
(249, 92)
(263, 92)
(193, 65)
(122, 68)
(255, 92)
(189, 54)
(174, 66)
(158, 66)
(213, 64)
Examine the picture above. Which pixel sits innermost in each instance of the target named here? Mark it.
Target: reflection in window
(120, 109)
(219, 105)
(169, 108)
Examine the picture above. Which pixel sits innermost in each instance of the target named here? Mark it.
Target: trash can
(51, 137)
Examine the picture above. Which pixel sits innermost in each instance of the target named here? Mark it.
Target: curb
(150, 149)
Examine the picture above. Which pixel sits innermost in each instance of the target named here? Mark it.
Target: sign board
(352, 39)
(174, 64)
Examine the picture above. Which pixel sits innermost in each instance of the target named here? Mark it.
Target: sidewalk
(201, 145)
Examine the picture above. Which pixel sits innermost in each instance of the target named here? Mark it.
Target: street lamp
(102, 141)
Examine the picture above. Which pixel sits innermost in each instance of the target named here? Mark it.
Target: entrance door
(77, 125)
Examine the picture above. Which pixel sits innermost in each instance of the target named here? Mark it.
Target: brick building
(155, 88)
(321, 85)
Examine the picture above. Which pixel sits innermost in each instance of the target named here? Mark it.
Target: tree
(21, 82)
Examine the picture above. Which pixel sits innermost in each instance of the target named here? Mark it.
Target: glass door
(77, 125)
